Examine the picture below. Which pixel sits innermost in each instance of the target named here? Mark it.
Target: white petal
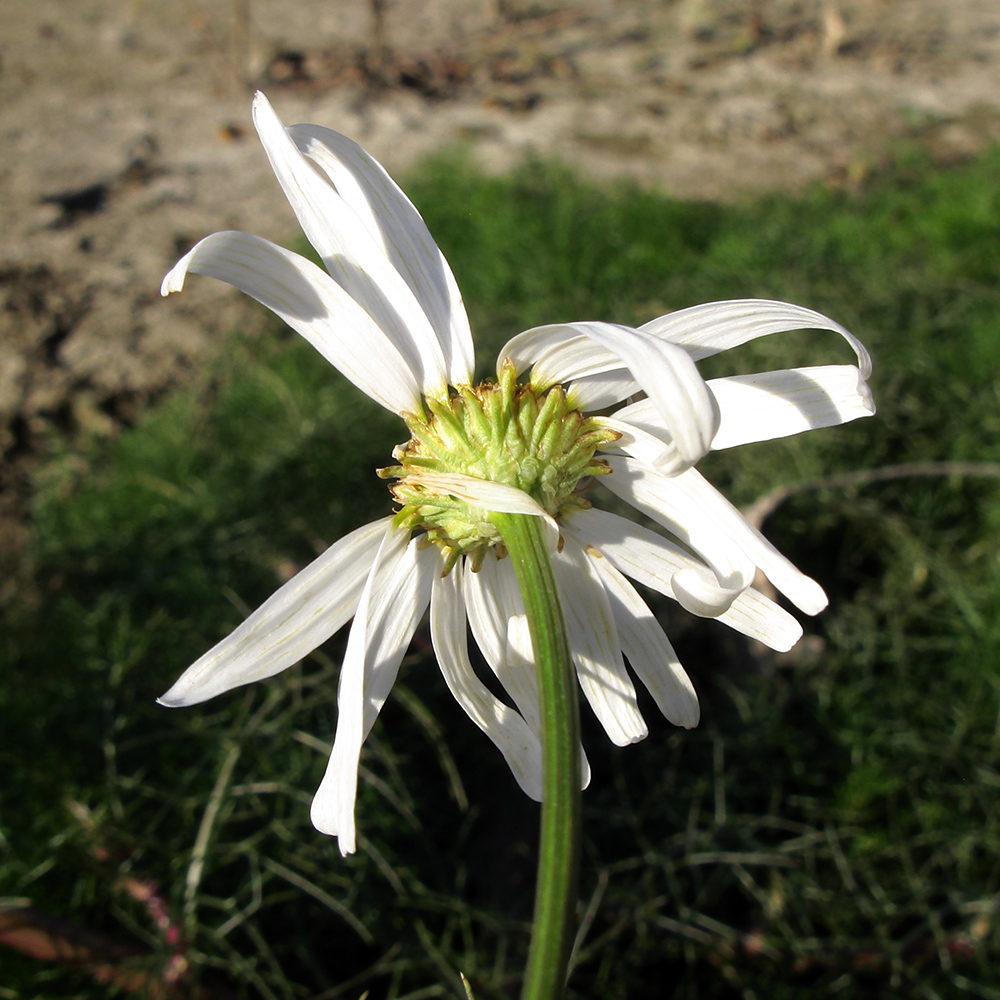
(312, 304)
(654, 562)
(657, 450)
(500, 627)
(764, 406)
(560, 352)
(669, 377)
(702, 523)
(777, 404)
(707, 329)
(511, 734)
(697, 590)
(598, 392)
(520, 650)
(489, 621)
(351, 255)
(696, 512)
(648, 649)
(596, 649)
(302, 615)
(758, 617)
(804, 592)
(487, 495)
(393, 222)
(392, 602)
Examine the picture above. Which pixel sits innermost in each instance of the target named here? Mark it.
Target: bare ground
(126, 137)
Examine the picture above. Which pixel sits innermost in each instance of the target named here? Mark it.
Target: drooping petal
(352, 256)
(486, 593)
(289, 625)
(697, 590)
(521, 654)
(510, 733)
(653, 561)
(313, 305)
(562, 352)
(804, 592)
(707, 329)
(392, 602)
(394, 223)
(682, 515)
(769, 405)
(694, 510)
(647, 648)
(500, 628)
(701, 330)
(595, 646)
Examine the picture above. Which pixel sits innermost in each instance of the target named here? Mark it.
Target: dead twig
(762, 508)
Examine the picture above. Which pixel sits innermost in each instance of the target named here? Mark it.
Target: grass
(831, 828)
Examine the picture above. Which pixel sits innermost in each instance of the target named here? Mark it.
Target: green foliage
(833, 825)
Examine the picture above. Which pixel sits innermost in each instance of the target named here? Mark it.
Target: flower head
(387, 312)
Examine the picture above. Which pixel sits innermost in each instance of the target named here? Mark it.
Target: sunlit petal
(392, 603)
(313, 305)
(647, 647)
(289, 625)
(351, 254)
(508, 731)
(563, 352)
(768, 405)
(595, 646)
(654, 561)
(684, 516)
(396, 226)
(707, 329)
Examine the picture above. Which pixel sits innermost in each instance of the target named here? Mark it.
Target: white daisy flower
(388, 314)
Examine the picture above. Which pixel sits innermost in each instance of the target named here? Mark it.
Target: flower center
(500, 432)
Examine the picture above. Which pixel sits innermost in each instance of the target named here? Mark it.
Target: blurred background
(832, 827)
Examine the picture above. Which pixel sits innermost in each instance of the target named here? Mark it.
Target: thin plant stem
(559, 841)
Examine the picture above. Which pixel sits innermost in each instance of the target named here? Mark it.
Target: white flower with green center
(388, 314)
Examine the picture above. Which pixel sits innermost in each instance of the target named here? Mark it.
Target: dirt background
(126, 137)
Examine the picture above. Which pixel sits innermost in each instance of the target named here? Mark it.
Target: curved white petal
(352, 256)
(647, 648)
(691, 508)
(778, 404)
(804, 592)
(598, 392)
(396, 226)
(499, 581)
(707, 329)
(500, 628)
(768, 405)
(392, 602)
(520, 650)
(697, 590)
(490, 626)
(510, 733)
(694, 520)
(562, 352)
(289, 625)
(595, 646)
(654, 561)
(487, 495)
(655, 450)
(312, 304)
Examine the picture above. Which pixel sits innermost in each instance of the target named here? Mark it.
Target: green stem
(559, 841)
